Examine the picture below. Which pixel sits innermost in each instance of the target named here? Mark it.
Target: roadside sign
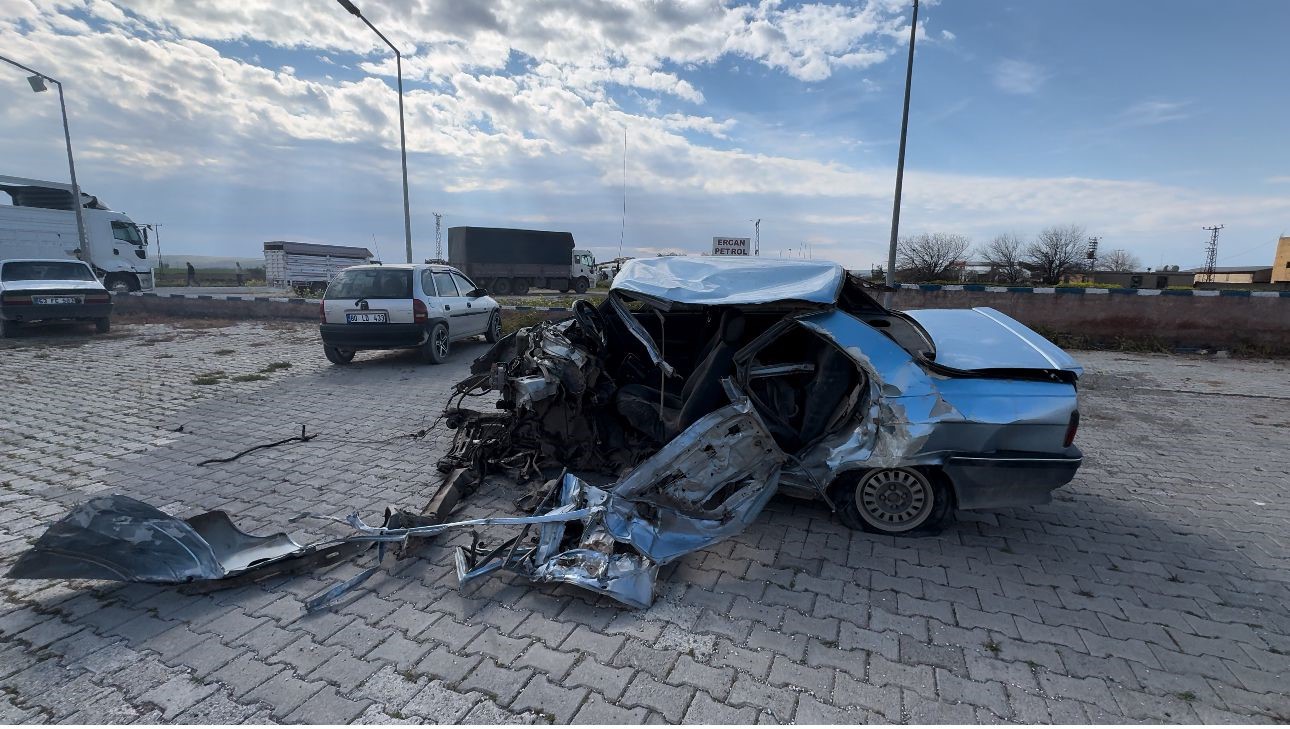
(730, 246)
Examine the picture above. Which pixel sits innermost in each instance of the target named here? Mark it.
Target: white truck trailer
(37, 220)
(308, 265)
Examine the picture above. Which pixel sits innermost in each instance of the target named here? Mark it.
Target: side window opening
(126, 232)
(443, 282)
(427, 283)
(463, 284)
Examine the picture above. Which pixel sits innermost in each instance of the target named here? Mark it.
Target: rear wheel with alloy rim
(893, 501)
(435, 350)
(337, 355)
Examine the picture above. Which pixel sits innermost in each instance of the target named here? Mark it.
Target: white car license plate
(56, 299)
(367, 317)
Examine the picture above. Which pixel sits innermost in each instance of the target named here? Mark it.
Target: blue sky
(235, 123)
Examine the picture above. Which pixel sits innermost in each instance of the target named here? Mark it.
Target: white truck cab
(583, 273)
(40, 223)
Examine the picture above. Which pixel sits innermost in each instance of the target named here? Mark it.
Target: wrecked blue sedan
(662, 421)
(893, 418)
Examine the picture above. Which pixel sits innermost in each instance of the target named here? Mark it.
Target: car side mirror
(477, 292)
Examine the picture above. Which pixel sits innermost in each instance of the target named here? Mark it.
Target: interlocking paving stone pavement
(1154, 587)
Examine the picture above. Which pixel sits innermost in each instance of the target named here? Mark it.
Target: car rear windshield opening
(371, 284)
(46, 271)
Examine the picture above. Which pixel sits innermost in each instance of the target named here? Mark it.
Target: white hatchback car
(404, 306)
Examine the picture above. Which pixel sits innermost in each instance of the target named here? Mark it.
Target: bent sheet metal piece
(120, 538)
(704, 486)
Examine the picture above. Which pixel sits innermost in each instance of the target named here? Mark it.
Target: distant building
(1235, 274)
(1145, 279)
(1281, 264)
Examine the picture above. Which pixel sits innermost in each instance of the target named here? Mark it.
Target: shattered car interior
(663, 419)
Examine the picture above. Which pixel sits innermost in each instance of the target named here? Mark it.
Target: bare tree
(1057, 251)
(931, 257)
(1120, 261)
(1004, 256)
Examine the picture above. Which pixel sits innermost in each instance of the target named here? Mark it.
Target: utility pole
(757, 237)
(438, 236)
(1211, 252)
(37, 81)
(900, 163)
(1091, 253)
(403, 138)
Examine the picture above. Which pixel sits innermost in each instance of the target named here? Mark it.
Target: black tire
(102, 325)
(120, 283)
(8, 329)
(338, 356)
(501, 286)
(435, 350)
(580, 285)
(520, 286)
(893, 501)
(494, 331)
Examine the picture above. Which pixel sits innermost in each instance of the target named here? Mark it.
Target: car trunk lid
(984, 340)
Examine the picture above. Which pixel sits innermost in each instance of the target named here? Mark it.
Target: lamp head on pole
(37, 83)
(351, 7)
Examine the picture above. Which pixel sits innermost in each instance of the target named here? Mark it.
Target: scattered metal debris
(120, 538)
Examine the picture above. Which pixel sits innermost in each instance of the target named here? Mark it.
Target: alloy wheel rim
(441, 345)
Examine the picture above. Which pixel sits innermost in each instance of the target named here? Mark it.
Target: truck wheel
(102, 325)
(520, 286)
(580, 286)
(120, 283)
(339, 356)
(502, 286)
(435, 350)
(8, 329)
(494, 332)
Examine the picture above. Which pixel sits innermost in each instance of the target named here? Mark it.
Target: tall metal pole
(77, 207)
(76, 188)
(403, 150)
(900, 164)
(403, 140)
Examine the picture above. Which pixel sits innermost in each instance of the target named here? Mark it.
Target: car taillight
(322, 311)
(1070, 430)
(420, 314)
(12, 299)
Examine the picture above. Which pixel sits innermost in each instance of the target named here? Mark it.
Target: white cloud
(1155, 111)
(1014, 76)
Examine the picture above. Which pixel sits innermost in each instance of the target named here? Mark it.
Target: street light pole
(37, 81)
(403, 140)
(900, 164)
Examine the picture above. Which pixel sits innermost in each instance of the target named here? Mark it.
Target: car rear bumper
(1010, 479)
(47, 312)
(373, 336)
